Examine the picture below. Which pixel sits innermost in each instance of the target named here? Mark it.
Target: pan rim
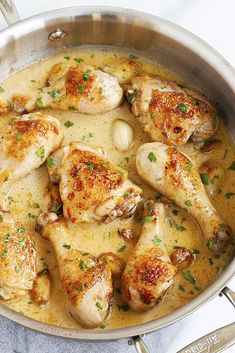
(212, 57)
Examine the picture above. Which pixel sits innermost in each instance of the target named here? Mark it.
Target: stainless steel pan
(39, 36)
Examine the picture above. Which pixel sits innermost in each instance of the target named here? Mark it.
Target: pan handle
(218, 340)
(213, 342)
(9, 11)
(139, 344)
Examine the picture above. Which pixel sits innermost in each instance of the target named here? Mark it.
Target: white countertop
(213, 21)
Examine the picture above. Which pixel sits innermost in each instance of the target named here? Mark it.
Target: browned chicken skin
(174, 175)
(26, 141)
(91, 187)
(169, 113)
(86, 280)
(17, 259)
(149, 271)
(73, 87)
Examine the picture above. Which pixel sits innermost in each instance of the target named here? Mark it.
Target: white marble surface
(213, 21)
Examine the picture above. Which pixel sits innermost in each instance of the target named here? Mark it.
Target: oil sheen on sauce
(28, 197)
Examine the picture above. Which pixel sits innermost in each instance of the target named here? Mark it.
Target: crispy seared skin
(176, 177)
(25, 144)
(17, 259)
(82, 88)
(149, 271)
(170, 114)
(86, 279)
(91, 187)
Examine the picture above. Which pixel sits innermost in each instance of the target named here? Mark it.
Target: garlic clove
(122, 135)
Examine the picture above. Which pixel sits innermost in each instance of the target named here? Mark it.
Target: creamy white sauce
(97, 238)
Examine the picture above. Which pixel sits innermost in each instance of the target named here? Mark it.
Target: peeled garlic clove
(123, 135)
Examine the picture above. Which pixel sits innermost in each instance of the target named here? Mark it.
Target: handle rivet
(58, 34)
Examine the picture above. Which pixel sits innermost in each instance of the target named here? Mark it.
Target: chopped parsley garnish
(123, 307)
(215, 118)
(6, 238)
(33, 81)
(195, 251)
(36, 205)
(21, 230)
(17, 269)
(133, 57)
(213, 179)
(78, 60)
(90, 166)
(188, 276)
(40, 153)
(2, 89)
(229, 195)
(39, 102)
(99, 305)
(181, 288)
(67, 246)
(152, 157)
(4, 253)
(82, 265)
(86, 74)
(81, 88)
(210, 244)
(122, 248)
(80, 287)
(1, 218)
(147, 219)
(222, 227)
(68, 123)
(102, 326)
(232, 166)
(67, 57)
(54, 93)
(179, 227)
(22, 243)
(50, 162)
(56, 208)
(156, 240)
(188, 203)
(183, 107)
(71, 107)
(188, 166)
(18, 136)
(130, 96)
(204, 178)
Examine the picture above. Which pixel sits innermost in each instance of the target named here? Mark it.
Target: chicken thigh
(17, 259)
(149, 271)
(25, 144)
(175, 176)
(85, 279)
(169, 113)
(91, 187)
(81, 88)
